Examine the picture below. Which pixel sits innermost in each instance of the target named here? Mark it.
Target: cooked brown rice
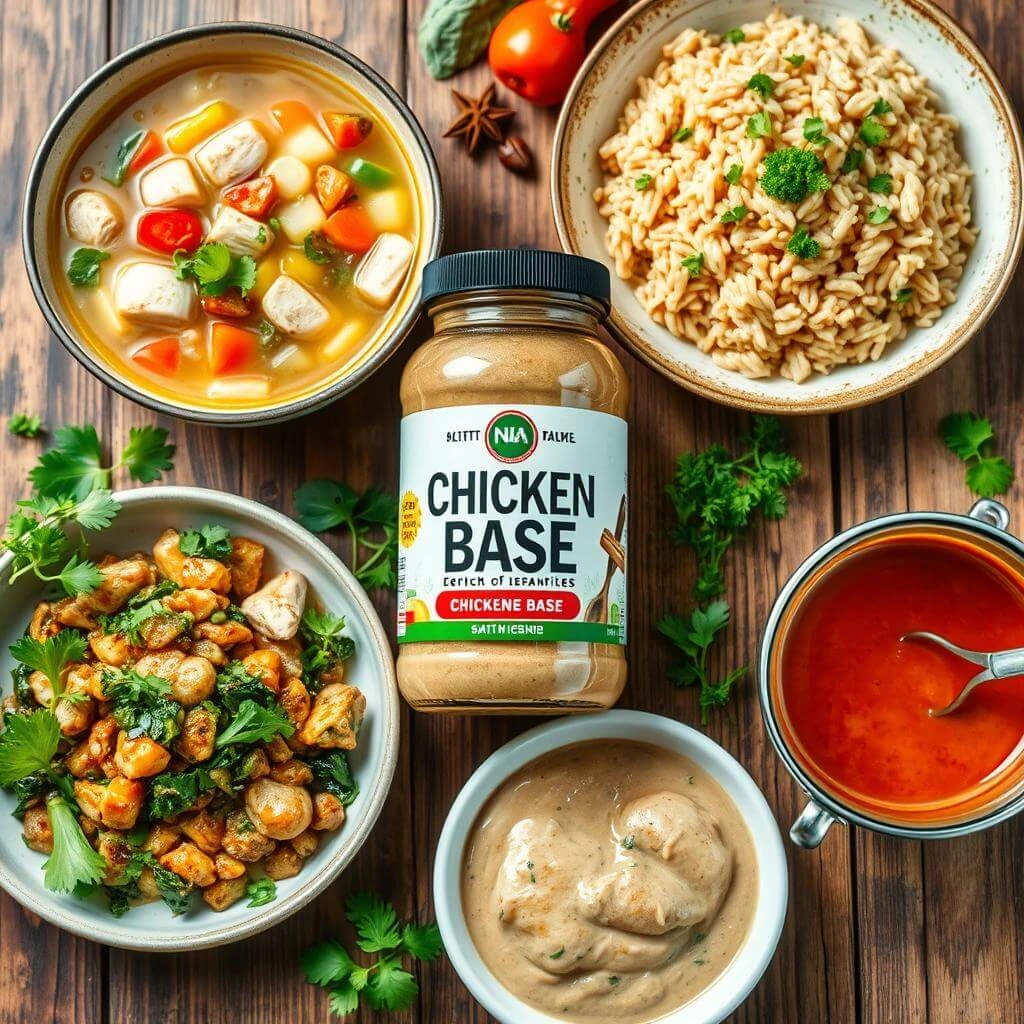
(755, 307)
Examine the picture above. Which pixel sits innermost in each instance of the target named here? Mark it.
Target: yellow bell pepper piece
(266, 273)
(295, 264)
(188, 133)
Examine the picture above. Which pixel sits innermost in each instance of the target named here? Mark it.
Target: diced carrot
(347, 130)
(162, 356)
(292, 114)
(333, 187)
(254, 198)
(231, 348)
(149, 149)
(351, 229)
(232, 304)
(190, 131)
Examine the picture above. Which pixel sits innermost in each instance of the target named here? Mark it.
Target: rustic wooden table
(879, 930)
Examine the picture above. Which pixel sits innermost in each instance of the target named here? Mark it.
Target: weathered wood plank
(48, 974)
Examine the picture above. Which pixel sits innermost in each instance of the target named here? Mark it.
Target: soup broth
(237, 235)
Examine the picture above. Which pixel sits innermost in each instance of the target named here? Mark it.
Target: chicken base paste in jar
(512, 518)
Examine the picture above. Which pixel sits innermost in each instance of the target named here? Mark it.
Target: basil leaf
(84, 269)
(453, 33)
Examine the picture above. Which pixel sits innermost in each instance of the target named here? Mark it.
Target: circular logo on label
(511, 436)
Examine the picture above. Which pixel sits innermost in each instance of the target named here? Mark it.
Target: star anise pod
(478, 118)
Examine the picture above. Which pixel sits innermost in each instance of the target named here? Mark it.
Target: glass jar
(512, 521)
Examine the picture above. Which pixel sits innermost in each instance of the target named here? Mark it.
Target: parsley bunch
(371, 519)
(716, 496)
(967, 435)
(384, 983)
(71, 488)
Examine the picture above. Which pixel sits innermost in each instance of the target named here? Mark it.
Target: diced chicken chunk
(189, 862)
(93, 218)
(38, 834)
(276, 608)
(382, 270)
(244, 236)
(246, 564)
(122, 579)
(233, 154)
(171, 183)
(151, 292)
(292, 309)
(335, 718)
(222, 893)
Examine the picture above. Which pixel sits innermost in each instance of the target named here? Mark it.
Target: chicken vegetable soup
(238, 234)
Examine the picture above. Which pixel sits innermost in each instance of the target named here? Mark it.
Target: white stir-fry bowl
(145, 513)
(737, 981)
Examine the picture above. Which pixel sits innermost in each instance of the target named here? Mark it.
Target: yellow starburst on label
(410, 518)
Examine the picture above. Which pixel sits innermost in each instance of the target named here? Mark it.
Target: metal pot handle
(809, 829)
(992, 512)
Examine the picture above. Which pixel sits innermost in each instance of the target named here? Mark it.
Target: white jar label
(512, 525)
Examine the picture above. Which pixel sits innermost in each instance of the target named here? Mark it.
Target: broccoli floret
(790, 174)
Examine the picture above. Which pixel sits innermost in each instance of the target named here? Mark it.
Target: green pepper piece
(367, 173)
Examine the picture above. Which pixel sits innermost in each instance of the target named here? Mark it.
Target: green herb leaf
(73, 466)
(642, 182)
(143, 705)
(170, 793)
(881, 184)
(211, 540)
(814, 131)
(269, 338)
(215, 269)
(255, 723)
(422, 942)
(27, 745)
(967, 435)
(84, 268)
(73, 862)
(989, 476)
(735, 215)
(796, 59)
(693, 264)
(375, 921)
(318, 248)
(79, 576)
(343, 998)
(853, 161)
(802, 245)
(735, 35)
(878, 214)
(682, 134)
(147, 454)
(326, 962)
(759, 125)
(123, 157)
(261, 892)
(734, 173)
(762, 85)
(51, 655)
(873, 132)
(881, 107)
(23, 424)
(326, 645)
(333, 774)
(391, 987)
(903, 296)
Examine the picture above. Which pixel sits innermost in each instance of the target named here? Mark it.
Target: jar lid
(513, 269)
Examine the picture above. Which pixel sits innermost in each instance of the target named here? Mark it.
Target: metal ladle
(996, 665)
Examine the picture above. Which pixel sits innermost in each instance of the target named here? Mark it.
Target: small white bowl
(968, 88)
(145, 513)
(737, 981)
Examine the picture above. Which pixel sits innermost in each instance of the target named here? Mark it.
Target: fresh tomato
(149, 149)
(347, 130)
(254, 198)
(231, 348)
(169, 230)
(351, 229)
(538, 47)
(162, 356)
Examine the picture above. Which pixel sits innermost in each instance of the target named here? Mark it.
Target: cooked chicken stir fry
(203, 730)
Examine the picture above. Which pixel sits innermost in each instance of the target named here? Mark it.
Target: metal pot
(986, 523)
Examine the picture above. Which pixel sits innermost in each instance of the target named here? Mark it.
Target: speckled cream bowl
(990, 140)
(737, 981)
(145, 513)
(107, 90)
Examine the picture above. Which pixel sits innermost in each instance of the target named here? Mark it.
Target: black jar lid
(514, 269)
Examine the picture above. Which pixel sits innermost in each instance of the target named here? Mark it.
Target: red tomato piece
(231, 348)
(149, 149)
(351, 229)
(162, 356)
(347, 130)
(253, 198)
(168, 230)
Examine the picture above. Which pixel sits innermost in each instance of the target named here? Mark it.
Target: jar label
(512, 525)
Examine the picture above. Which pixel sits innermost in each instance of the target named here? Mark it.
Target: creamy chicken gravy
(609, 881)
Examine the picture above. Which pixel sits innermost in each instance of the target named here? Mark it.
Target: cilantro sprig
(215, 270)
(716, 496)
(71, 489)
(211, 540)
(384, 983)
(24, 424)
(968, 436)
(50, 656)
(254, 723)
(371, 518)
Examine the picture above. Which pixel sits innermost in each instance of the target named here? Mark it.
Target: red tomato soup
(856, 698)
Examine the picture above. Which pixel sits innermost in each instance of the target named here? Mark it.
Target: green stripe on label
(551, 632)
